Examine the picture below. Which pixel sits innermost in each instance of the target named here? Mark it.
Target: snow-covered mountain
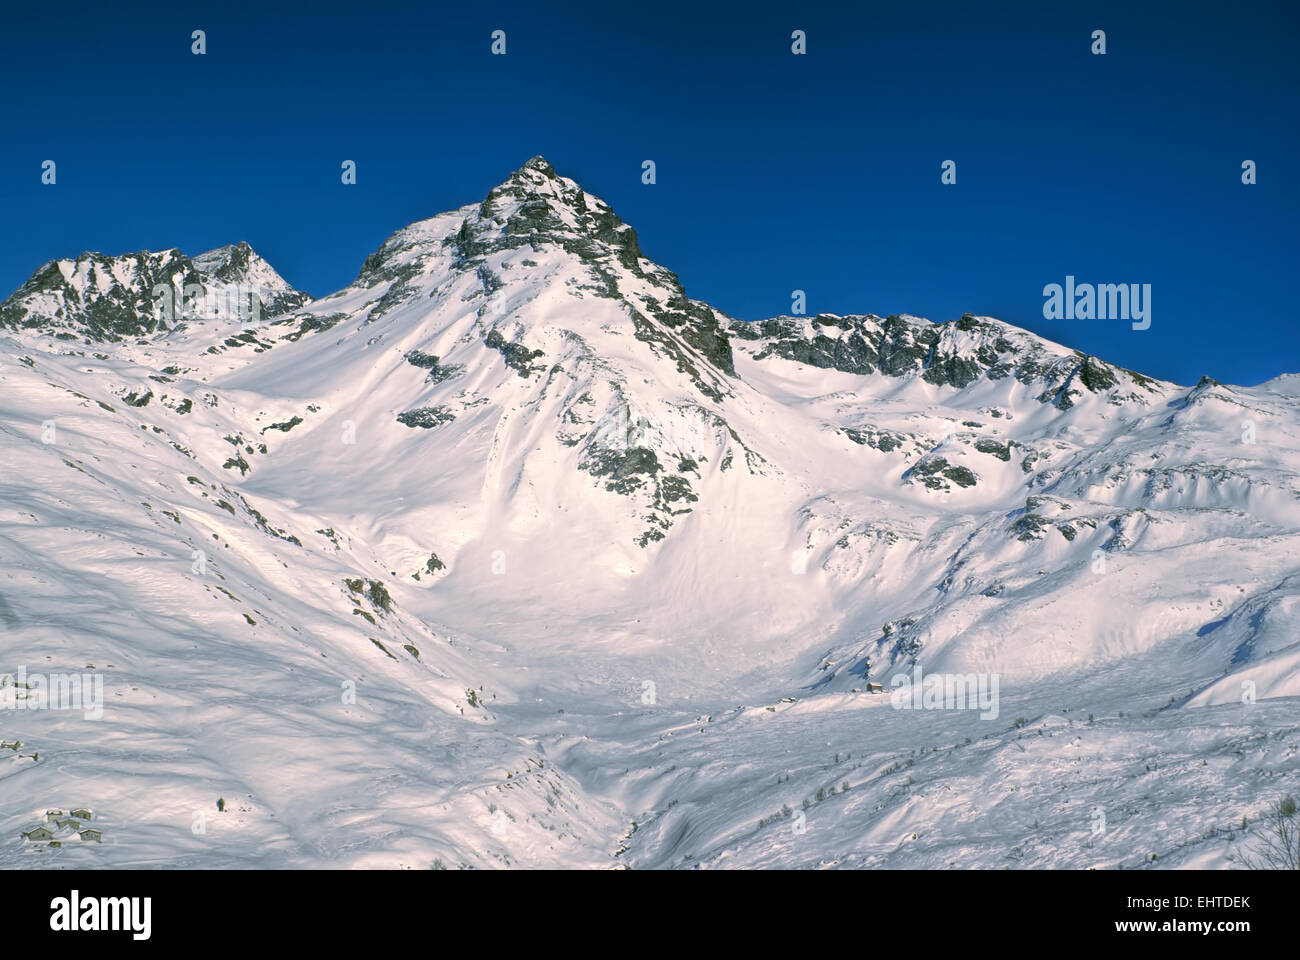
(511, 553)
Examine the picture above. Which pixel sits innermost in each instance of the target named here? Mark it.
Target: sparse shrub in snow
(1279, 846)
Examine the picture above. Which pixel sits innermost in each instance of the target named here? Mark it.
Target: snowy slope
(511, 553)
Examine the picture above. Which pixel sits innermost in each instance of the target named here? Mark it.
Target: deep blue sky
(775, 172)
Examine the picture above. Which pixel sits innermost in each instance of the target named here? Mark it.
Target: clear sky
(775, 172)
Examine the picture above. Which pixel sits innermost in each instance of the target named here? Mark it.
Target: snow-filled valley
(512, 554)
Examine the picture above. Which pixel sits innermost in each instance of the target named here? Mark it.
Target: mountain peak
(229, 258)
(539, 234)
(535, 167)
(531, 206)
(540, 194)
(238, 263)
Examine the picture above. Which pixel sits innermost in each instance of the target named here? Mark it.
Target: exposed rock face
(953, 354)
(102, 298)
